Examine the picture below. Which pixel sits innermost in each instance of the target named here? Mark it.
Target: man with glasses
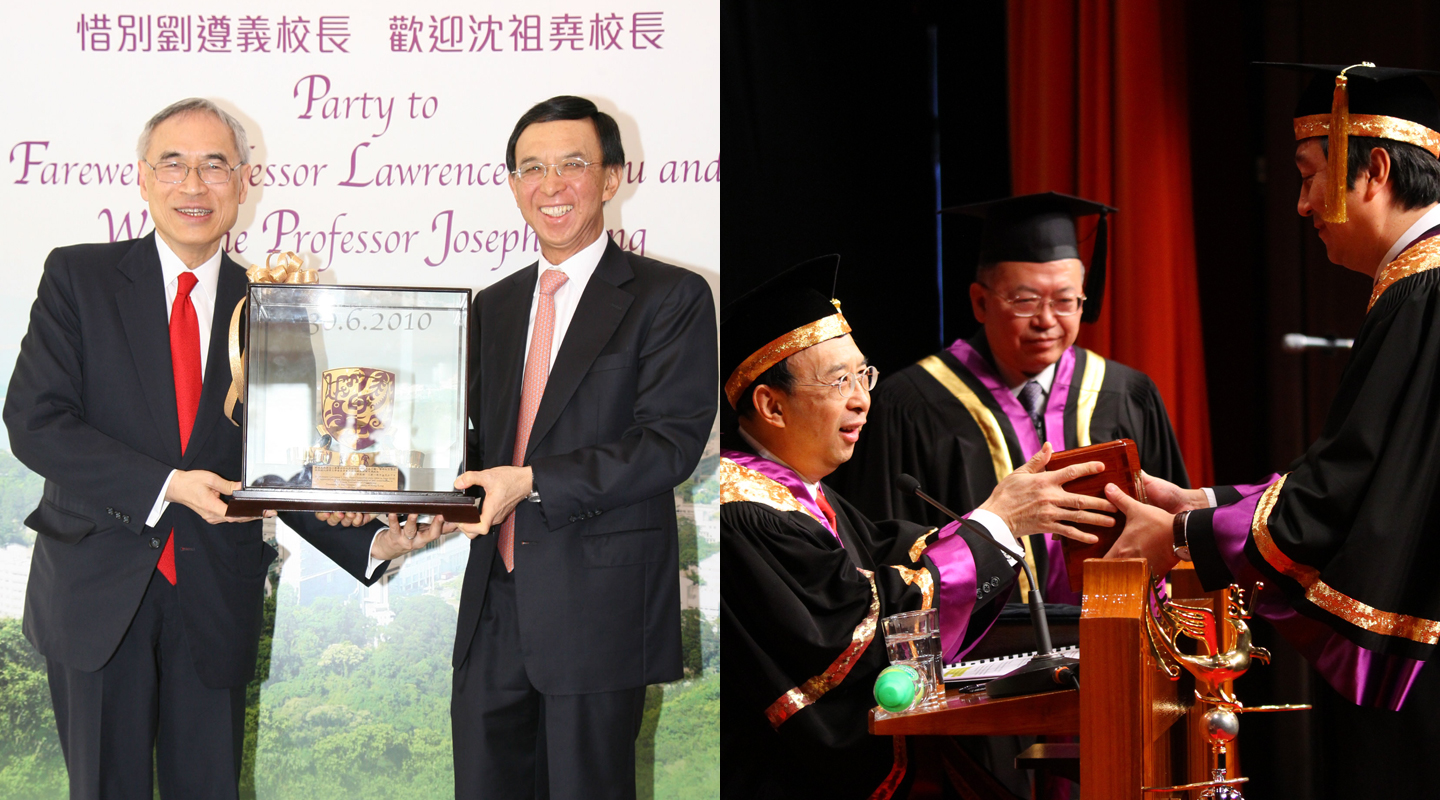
(593, 393)
(144, 597)
(963, 418)
(1345, 541)
(808, 576)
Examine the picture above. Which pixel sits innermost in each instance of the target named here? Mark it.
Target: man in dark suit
(593, 391)
(143, 597)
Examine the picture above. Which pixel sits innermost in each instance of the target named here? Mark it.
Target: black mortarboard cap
(1383, 91)
(1379, 102)
(791, 311)
(1041, 228)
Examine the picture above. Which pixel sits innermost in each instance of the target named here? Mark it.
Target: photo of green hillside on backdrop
(352, 693)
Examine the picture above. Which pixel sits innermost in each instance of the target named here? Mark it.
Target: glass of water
(914, 637)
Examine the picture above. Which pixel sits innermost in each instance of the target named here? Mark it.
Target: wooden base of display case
(453, 507)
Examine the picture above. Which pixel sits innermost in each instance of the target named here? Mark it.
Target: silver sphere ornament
(1222, 724)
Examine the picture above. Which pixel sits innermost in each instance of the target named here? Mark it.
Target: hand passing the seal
(1032, 500)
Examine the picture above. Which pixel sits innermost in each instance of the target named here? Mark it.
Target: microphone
(1046, 669)
(1299, 342)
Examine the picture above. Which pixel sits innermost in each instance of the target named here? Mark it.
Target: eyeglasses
(569, 169)
(211, 172)
(865, 379)
(1029, 305)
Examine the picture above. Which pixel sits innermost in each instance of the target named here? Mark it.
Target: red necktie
(185, 359)
(537, 371)
(825, 506)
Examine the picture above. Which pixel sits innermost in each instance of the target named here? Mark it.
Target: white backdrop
(381, 166)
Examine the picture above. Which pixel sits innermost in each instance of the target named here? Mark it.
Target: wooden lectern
(1132, 720)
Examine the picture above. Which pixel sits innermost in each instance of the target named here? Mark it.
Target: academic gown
(950, 421)
(1347, 541)
(800, 606)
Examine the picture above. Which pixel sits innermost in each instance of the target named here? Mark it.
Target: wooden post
(1127, 705)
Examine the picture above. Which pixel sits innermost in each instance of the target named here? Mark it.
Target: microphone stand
(1047, 669)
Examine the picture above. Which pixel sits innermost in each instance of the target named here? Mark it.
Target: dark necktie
(1032, 397)
(185, 360)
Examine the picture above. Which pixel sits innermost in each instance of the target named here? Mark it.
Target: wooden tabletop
(1049, 713)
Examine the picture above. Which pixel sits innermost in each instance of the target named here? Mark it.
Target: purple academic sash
(786, 477)
(1057, 584)
(950, 554)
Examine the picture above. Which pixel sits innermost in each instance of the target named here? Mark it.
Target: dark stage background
(835, 123)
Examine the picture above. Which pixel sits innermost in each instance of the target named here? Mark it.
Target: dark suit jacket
(91, 408)
(626, 412)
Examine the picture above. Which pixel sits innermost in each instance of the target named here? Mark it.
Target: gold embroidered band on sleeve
(920, 578)
(808, 692)
(744, 485)
(1326, 597)
(1088, 396)
(821, 330)
(1373, 125)
(1416, 258)
(921, 542)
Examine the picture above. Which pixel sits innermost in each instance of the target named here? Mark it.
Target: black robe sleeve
(799, 615)
(1351, 532)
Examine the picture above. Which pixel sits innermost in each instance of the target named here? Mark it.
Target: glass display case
(354, 400)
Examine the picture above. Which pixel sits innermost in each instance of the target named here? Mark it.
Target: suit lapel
(147, 331)
(601, 309)
(229, 290)
(504, 318)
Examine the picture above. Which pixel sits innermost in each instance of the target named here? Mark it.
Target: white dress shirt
(207, 281)
(578, 268)
(1046, 379)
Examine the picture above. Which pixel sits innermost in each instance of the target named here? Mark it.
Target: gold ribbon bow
(288, 268)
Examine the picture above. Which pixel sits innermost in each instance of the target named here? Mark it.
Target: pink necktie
(537, 371)
(185, 361)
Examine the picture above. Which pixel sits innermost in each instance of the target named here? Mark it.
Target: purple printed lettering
(565, 29)
(646, 25)
(605, 33)
(484, 31)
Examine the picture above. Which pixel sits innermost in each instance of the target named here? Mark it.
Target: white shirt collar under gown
(1425, 223)
(763, 453)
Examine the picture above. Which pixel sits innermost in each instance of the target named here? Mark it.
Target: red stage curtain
(1098, 109)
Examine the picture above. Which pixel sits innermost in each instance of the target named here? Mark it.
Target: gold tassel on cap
(1339, 144)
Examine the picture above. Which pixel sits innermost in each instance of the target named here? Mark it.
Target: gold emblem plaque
(350, 398)
(354, 403)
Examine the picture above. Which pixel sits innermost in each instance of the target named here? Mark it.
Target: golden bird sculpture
(1216, 665)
